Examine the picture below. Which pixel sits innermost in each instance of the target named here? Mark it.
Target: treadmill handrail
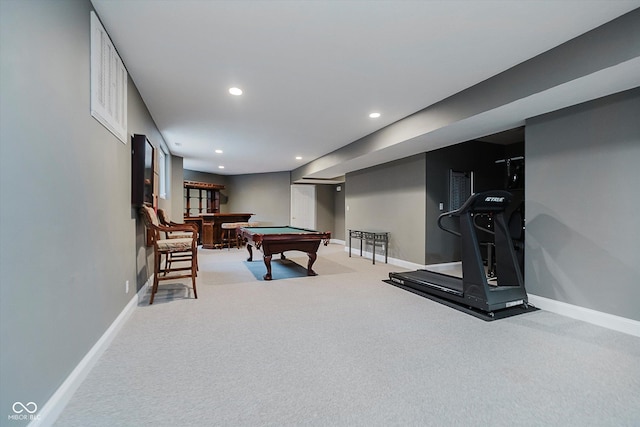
(487, 201)
(448, 230)
(480, 227)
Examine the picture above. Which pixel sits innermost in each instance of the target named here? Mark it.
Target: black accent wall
(476, 156)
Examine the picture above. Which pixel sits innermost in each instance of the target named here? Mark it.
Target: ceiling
(312, 71)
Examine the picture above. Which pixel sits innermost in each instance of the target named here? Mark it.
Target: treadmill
(474, 289)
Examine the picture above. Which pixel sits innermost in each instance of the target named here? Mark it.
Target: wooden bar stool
(229, 233)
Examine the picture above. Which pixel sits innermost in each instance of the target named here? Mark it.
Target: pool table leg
(312, 259)
(267, 263)
(250, 252)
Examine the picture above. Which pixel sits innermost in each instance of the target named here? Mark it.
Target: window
(460, 188)
(162, 173)
(108, 82)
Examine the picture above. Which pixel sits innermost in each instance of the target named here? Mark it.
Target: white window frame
(108, 82)
(162, 172)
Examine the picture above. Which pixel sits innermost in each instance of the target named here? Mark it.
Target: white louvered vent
(108, 82)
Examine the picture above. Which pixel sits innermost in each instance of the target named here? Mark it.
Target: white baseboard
(51, 410)
(445, 266)
(606, 320)
(404, 264)
(380, 258)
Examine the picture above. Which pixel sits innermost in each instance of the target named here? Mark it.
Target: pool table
(277, 240)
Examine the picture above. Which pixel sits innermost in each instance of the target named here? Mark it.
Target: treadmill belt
(442, 282)
(480, 314)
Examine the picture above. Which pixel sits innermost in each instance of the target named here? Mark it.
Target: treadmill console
(488, 201)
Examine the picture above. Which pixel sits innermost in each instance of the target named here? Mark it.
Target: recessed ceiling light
(235, 91)
(219, 151)
(374, 115)
(220, 167)
(298, 157)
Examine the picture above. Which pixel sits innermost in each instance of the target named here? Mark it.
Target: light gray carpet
(345, 349)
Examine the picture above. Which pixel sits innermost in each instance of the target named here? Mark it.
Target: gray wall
(339, 227)
(325, 208)
(176, 211)
(266, 195)
(391, 197)
(70, 238)
(405, 196)
(583, 232)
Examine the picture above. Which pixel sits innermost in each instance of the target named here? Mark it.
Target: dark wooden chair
(175, 257)
(184, 247)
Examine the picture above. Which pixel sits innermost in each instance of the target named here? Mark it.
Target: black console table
(375, 237)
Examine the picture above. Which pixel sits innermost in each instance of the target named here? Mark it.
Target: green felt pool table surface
(279, 230)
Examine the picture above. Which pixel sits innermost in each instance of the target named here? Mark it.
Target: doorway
(303, 206)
